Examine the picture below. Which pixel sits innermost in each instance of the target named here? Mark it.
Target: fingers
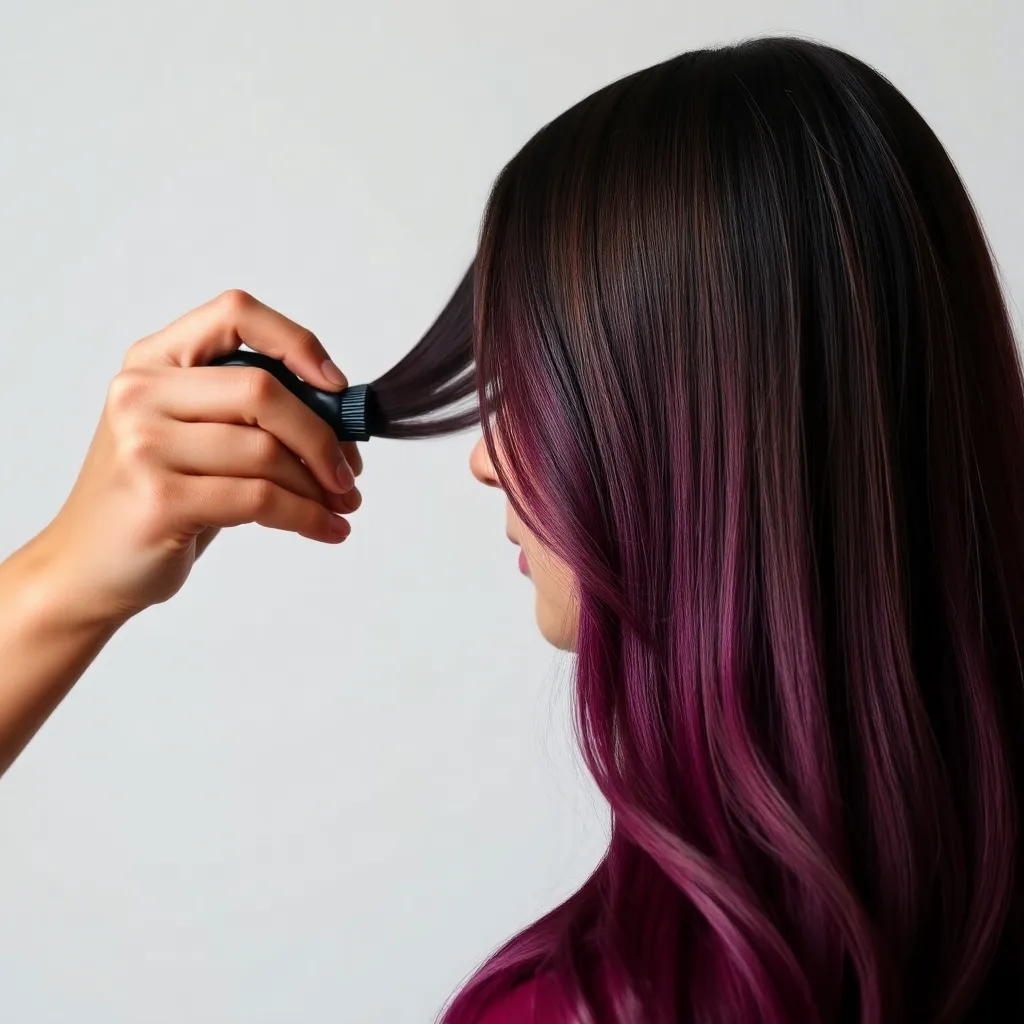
(347, 502)
(352, 455)
(233, 318)
(226, 449)
(243, 395)
(232, 501)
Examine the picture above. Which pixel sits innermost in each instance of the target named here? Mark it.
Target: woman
(749, 385)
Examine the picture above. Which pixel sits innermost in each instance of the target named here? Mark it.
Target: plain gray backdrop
(322, 783)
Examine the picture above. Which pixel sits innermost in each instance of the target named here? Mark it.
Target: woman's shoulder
(532, 1002)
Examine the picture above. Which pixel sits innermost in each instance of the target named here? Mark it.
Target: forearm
(47, 640)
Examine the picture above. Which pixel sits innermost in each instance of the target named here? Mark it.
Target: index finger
(221, 325)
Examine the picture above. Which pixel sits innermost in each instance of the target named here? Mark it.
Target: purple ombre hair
(738, 328)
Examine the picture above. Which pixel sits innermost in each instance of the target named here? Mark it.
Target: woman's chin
(556, 625)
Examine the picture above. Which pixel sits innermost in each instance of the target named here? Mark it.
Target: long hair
(737, 329)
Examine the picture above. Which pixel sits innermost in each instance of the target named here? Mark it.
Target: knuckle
(266, 448)
(235, 300)
(261, 385)
(137, 444)
(135, 353)
(259, 498)
(307, 341)
(126, 390)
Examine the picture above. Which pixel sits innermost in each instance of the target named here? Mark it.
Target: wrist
(43, 590)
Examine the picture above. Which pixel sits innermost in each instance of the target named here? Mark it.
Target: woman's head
(747, 380)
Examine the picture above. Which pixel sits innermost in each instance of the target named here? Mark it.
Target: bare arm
(49, 636)
(47, 640)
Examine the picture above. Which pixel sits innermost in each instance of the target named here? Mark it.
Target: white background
(322, 783)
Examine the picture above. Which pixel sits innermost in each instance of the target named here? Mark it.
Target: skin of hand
(181, 450)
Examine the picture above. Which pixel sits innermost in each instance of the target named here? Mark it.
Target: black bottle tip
(354, 413)
(358, 414)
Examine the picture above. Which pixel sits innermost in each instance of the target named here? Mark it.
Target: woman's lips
(524, 566)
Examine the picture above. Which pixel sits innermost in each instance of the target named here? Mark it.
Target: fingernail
(340, 527)
(347, 502)
(345, 477)
(333, 374)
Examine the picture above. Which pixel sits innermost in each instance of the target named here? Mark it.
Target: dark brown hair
(737, 326)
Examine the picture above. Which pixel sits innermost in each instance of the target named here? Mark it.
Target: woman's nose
(480, 465)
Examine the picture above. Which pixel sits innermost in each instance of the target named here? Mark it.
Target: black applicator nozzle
(354, 413)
